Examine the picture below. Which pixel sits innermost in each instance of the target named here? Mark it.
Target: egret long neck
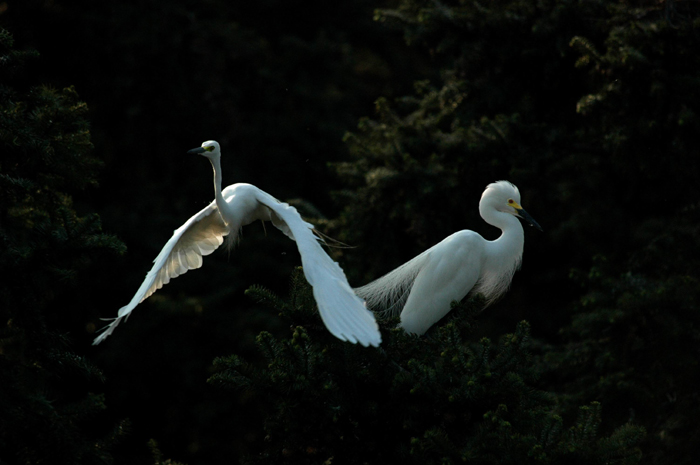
(508, 248)
(220, 202)
(502, 256)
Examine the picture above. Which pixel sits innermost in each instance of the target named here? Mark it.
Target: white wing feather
(422, 289)
(451, 270)
(343, 312)
(388, 294)
(199, 236)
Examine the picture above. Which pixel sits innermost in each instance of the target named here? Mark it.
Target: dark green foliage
(277, 83)
(592, 113)
(46, 390)
(501, 109)
(158, 455)
(426, 400)
(590, 107)
(633, 342)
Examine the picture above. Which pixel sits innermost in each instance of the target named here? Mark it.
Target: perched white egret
(426, 286)
(343, 313)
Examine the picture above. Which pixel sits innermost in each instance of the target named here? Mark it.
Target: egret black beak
(530, 220)
(197, 150)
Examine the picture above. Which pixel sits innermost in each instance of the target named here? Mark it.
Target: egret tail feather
(388, 294)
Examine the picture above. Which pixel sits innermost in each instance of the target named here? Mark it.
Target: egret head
(209, 149)
(504, 197)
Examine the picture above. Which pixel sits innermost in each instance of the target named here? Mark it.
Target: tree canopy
(382, 121)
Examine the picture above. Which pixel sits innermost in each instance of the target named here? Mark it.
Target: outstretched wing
(199, 236)
(343, 313)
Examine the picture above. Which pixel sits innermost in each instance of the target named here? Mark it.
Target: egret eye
(209, 149)
(511, 201)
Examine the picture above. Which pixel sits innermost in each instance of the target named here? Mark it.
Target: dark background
(383, 121)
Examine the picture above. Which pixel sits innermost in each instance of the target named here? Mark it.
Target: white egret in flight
(426, 286)
(343, 313)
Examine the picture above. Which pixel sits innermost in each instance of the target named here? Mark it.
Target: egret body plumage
(423, 289)
(343, 313)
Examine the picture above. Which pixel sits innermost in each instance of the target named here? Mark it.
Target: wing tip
(363, 336)
(374, 342)
(106, 331)
(109, 329)
(365, 342)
